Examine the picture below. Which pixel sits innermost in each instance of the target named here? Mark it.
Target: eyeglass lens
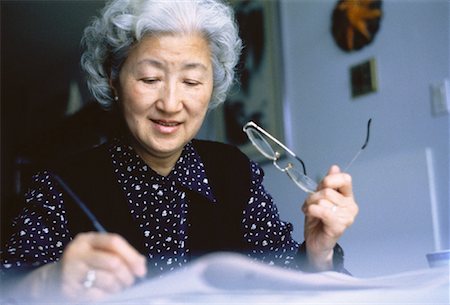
(260, 143)
(304, 182)
(300, 179)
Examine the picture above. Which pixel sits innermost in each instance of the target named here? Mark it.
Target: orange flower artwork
(355, 23)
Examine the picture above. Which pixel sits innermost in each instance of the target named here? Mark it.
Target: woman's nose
(170, 99)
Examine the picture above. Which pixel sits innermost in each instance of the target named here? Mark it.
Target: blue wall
(403, 214)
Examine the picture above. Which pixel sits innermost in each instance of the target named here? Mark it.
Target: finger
(328, 198)
(119, 246)
(108, 282)
(112, 264)
(327, 205)
(328, 194)
(73, 287)
(98, 251)
(104, 251)
(323, 211)
(334, 169)
(334, 222)
(342, 182)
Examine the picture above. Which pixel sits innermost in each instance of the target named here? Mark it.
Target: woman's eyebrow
(160, 65)
(151, 62)
(194, 65)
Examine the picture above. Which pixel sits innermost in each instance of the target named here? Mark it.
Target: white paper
(227, 278)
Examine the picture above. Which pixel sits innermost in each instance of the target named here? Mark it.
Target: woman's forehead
(190, 51)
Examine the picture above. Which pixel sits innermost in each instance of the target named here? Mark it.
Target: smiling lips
(166, 126)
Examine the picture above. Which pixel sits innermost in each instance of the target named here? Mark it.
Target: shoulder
(227, 155)
(85, 159)
(224, 162)
(218, 150)
(41, 171)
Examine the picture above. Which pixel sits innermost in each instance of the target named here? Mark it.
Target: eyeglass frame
(274, 159)
(252, 124)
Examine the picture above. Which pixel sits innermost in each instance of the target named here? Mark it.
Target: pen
(86, 210)
(81, 204)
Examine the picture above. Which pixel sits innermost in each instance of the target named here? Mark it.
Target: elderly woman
(163, 197)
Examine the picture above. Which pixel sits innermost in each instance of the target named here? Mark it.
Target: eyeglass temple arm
(302, 163)
(362, 147)
(367, 134)
(261, 130)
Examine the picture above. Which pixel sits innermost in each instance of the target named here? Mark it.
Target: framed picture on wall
(258, 94)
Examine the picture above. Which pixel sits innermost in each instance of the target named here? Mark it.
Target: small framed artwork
(257, 96)
(363, 78)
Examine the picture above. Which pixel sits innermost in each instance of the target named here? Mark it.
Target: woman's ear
(113, 89)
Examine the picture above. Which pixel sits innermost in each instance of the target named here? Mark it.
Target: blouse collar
(189, 170)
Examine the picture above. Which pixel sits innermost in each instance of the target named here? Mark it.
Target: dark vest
(214, 226)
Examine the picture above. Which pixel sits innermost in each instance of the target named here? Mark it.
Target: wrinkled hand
(116, 263)
(329, 212)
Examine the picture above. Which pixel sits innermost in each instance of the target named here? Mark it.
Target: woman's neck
(161, 164)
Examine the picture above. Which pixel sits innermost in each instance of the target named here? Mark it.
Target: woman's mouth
(164, 123)
(166, 127)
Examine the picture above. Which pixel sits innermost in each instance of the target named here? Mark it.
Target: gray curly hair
(123, 23)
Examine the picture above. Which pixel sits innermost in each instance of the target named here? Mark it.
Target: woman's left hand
(329, 212)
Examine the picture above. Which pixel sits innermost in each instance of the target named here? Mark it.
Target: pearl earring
(116, 98)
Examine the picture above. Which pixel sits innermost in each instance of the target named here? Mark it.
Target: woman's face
(165, 86)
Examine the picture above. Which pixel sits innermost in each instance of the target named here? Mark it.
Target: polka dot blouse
(158, 205)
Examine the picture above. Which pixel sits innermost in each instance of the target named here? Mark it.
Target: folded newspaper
(229, 278)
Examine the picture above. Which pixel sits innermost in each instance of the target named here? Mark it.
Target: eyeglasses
(284, 159)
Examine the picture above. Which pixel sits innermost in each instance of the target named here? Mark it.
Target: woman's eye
(191, 83)
(150, 80)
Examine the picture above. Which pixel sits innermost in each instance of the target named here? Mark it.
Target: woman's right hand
(113, 261)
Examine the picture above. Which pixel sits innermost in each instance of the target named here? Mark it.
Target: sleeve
(40, 230)
(268, 237)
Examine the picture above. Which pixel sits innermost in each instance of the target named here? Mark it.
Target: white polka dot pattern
(269, 236)
(41, 229)
(159, 207)
(158, 204)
